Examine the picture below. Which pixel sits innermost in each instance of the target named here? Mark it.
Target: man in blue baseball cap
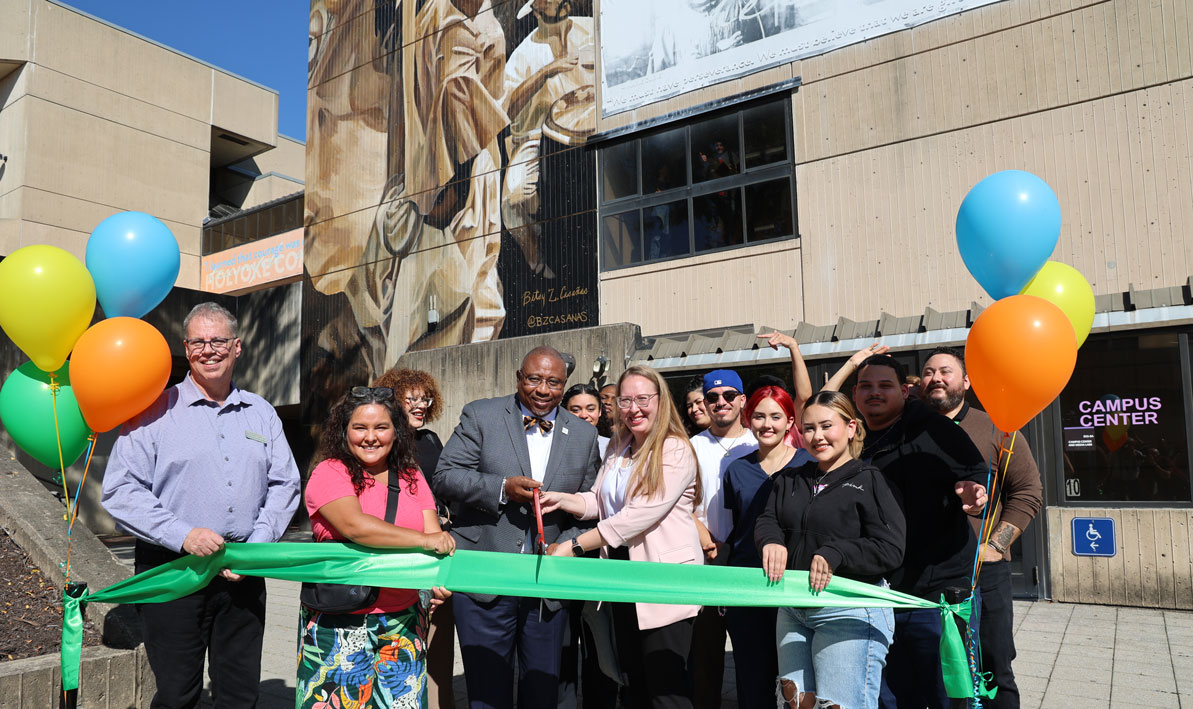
(724, 441)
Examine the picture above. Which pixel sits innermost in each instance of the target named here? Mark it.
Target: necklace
(819, 485)
(873, 445)
(720, 442)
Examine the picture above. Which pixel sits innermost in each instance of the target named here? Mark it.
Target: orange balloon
(1019, 355)
(118, 368)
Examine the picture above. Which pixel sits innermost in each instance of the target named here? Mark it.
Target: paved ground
(1069, 655)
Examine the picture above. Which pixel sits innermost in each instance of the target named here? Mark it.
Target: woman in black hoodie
(834, 516)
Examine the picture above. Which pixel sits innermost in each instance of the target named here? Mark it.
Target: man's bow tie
(544, 426)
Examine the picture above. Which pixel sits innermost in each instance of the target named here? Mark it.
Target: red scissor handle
(538, 518)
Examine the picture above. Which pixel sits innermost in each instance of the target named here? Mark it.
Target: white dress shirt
(539, 443)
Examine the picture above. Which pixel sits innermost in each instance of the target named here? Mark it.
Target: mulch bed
(30, 607)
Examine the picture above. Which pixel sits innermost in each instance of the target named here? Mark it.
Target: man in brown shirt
(1016, 501)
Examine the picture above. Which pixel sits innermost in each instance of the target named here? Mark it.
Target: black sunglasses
(373, 393)
(714, 397)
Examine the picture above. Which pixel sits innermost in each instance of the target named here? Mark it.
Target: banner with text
(275, 258)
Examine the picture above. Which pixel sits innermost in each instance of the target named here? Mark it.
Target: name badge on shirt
(255, 436)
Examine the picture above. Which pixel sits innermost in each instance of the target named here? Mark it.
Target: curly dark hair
(403, 381)
(333, 443)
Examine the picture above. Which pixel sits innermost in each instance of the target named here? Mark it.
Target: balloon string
(79, 490)
(57, 434)
(999, 475)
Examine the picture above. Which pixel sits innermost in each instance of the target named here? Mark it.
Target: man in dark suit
(501, 451)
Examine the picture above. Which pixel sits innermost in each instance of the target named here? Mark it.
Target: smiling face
(371, 436)
(944, 383)
(827, 435)
(211, 368)
(697, 410)
(723, 411)
(540, 383)
(415, 403)
(637, 418)
(769, 423)
(879, 396)
(586, 407)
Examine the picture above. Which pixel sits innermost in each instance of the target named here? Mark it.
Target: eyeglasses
(642, 400)
(218, 344)
(714, 397)
(416, 400)
(535, 380)
(374, 393)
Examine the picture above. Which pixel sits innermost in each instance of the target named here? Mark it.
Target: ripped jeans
(836, 653)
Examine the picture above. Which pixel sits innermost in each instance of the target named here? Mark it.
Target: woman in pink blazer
(644, 497)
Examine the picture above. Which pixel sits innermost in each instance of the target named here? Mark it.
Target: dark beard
(950, 401)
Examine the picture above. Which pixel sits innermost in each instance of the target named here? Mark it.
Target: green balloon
(27, 412)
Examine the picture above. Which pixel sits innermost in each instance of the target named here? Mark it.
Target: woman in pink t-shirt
(373, 657)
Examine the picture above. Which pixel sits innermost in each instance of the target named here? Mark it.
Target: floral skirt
(348, 661)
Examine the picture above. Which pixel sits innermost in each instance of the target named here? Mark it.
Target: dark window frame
(748, 176)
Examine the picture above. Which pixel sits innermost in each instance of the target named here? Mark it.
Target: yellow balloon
(47, 299)
(1065, 287)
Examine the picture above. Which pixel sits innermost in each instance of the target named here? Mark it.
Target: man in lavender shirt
(206, 463)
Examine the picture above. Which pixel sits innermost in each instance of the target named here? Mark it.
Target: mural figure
(549, 84)
(428, 137)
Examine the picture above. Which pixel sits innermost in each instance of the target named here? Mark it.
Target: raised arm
(842, 375)
(800, 380)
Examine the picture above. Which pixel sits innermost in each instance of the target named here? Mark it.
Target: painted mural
(450, 198)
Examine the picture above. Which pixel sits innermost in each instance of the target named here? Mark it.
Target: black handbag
(343, 597)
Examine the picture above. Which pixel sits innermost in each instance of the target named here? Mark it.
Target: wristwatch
(577, 550)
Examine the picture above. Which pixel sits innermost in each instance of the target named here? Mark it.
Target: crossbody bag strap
(391, 498)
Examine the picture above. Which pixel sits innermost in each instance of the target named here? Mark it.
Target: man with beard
(939, 475)
(724, 441)
(502, 451)
(1016, 499)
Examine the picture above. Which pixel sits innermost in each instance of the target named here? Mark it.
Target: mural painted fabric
(350, 661)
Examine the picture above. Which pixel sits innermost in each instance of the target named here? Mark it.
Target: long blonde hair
(646, 478)
(843, 407)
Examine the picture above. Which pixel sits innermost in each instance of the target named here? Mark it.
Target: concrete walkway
(1068, 655)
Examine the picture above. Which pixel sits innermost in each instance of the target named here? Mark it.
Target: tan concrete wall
(14, 31)
(1151, 568)
(761, 284)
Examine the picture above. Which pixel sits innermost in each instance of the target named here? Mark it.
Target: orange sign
(273, 259)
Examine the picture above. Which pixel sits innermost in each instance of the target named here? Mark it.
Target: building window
(723, 182)
(1125, 431)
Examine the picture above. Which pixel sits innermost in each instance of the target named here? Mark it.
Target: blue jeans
(836, 653)
(913, 676)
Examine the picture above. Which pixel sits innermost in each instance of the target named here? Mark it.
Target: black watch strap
(577, 550)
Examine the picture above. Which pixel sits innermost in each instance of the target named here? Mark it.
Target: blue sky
(262, 40)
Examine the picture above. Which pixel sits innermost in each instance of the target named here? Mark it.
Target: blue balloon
(134, 260)
(1007, 227)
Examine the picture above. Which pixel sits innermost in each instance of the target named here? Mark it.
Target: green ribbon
(509, 575)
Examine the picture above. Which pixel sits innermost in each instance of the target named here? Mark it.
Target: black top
(429, 447)
(854, 522)
(923, 455)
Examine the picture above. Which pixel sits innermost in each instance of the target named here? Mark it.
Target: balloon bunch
(52, 407)
(1021, 350)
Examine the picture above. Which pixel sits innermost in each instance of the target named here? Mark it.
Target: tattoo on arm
(1005, 535)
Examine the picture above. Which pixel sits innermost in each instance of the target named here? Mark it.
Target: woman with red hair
(770, 415)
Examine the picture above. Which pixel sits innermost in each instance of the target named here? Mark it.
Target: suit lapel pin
(564, 430)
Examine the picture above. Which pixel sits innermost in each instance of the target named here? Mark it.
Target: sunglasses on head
(373, 393)
(714, 397)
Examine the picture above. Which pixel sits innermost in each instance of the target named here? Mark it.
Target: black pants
(579, 669)
(755, 655)
(655, 660)
(707, 664)
(912, 677)
(224, 622)
(997, 633)
(492, 633)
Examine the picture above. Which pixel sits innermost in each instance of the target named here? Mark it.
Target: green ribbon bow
(509, 575)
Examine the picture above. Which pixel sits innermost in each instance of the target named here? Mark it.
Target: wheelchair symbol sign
(1094, 536)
